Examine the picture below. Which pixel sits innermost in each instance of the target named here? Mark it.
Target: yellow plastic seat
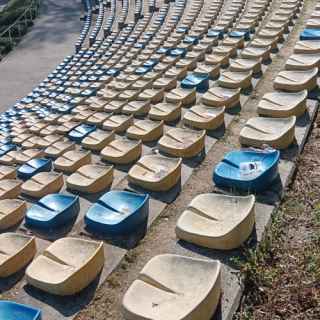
(91, 178)
(137, 108)
(97, 139)
(182, 142)
(184, 96)
(153, 95)
(307, 47)
(118, 123)
(297, 80)
(283, 104)
(42, 184)
(174, 287)
(278, 133)
(58, 148)
(156, 172)
(122, 151)
(145, 130)
(165, 111)
(235, 79)
(12, 211)
(217, 221)
(256, 53)
(10, 188)
(245, 65)
(72, 160)
(219, 97)
(20, 156)
(7, 172)
(17, 250)
(302, 61)
(204, 117)
(67, 266)
(98, 118)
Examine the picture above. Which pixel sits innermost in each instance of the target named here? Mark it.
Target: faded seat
(12, 211)
(10, 188)
(70, 161)
(67, 266)
(145, 130)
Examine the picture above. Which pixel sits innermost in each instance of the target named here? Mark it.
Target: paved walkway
(41, 49)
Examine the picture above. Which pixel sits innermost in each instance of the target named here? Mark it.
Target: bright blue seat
(118, 212)
(240, 34)
(151, 63)
(33, 167)
(113, 72)
(142, 70)
(247, 170)
(310, 34)
(7, 148)
(80, 132)
(14, 311)
(52, 211)
(196, 80)
(182, 30)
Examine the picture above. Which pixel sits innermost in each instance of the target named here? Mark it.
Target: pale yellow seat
(49, 130)
(153, 95)
(283, 104)
(165, 83)
(91, 178)
(156, 172)
(97, 139)
(217, 59)
(12, 211)
(43, 183)
(58, 148)
(21, 137)
(7, 172)
(114, 106)
(20, 156)
(219, 97)
(217, 221)
(67, 266)
(141, 84)
(72, 160)
(271, 34)
(37, 127)
(244, 65)
(165, 111)
(98, 118)
(66, 118)
(204, 117)
(256, 53)
(67, 126)
(10, 188)
(122, 151)
(212, 71)
(184, 96)
(177, 73)
(297, 80)
(264, 43)
(118, 123)
(129, 95)
(16, 251)
(307, 47)
(182, 142)
(137, 108)
(174, 287)
(278, 133)
(313, 23)
(299, 61)
(145, 130)
(84, 115)
(235, 79)
(47, 141)
(233, 42)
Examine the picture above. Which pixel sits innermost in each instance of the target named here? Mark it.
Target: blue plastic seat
(14, 311)
(240, 34)
(142, 70)
(52, 211)
(191, 40)
(113, 72)
(80, 132)
(118, 212)
(178, 52)
(7, 148)
(151, 63)
(310, 34)
(247, 170)
(196, 80)
(213, 33)
(33, 167)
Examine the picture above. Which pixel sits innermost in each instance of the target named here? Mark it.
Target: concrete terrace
(41, 49)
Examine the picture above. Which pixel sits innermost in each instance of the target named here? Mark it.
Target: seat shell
(34, 166)
(12, 211)
(9, 311)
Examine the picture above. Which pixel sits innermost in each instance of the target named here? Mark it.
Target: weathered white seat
(219, 97)
(283, 104)
(156, 172)
(67, 266)
(10, 188)
(165, 111)
(299, 61)
(234, 80)
(278, 133)
(307, 47)
(145, 130)
(59, 147)
(72, 160)
(184, 96)
(7, 172)
(97, 139)
(12, 211)
(217, 221)
(118, 123)
(174, 287)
